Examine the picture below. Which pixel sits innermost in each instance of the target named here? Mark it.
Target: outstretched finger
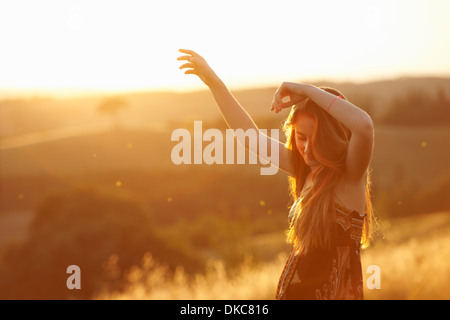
(187, 65)
(191, 71)
(191, 52)
(188, 58)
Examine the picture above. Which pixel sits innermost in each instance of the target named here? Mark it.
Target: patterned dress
(327, 273)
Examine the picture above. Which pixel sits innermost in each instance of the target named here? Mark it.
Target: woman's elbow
(366, 126)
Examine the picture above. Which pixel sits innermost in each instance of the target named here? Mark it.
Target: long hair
(313, 222)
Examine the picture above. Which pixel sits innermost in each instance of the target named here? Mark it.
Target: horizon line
(71, 92)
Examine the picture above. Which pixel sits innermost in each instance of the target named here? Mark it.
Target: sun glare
(132, 45)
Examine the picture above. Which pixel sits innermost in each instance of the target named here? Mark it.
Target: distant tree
(113, 106)
(419, 107)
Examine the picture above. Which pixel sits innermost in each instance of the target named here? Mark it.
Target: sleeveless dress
(327, 273)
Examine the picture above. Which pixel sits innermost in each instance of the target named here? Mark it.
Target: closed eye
(300, 136)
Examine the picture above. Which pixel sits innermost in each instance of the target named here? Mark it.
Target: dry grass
(413, 258)
(249, 281)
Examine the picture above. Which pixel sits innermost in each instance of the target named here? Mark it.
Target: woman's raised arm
(234, 114)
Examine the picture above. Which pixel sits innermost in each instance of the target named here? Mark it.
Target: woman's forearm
(356, 119)
(234, 114)
(237, 118)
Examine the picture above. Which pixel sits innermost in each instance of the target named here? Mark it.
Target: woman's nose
(306, 149)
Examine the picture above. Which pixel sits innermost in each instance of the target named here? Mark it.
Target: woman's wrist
(214, 82)
(306, 89)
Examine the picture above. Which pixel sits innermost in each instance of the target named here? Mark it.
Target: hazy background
(90, 93)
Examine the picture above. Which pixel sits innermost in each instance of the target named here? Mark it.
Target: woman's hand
(197, 65)
(287, 95)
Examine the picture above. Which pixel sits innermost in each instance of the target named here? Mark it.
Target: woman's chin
(311, 162)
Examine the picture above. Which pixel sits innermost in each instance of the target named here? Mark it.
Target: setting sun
(78, 46)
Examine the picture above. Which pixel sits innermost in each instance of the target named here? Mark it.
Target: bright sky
(132, 45)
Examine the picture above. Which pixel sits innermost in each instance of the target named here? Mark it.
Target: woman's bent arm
(357, 120)
(360, 148)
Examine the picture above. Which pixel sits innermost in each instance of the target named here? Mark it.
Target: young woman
(327, 154)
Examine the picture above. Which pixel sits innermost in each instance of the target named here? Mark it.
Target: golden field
(413, 259)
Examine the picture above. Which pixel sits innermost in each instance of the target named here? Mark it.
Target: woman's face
(304, 128)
